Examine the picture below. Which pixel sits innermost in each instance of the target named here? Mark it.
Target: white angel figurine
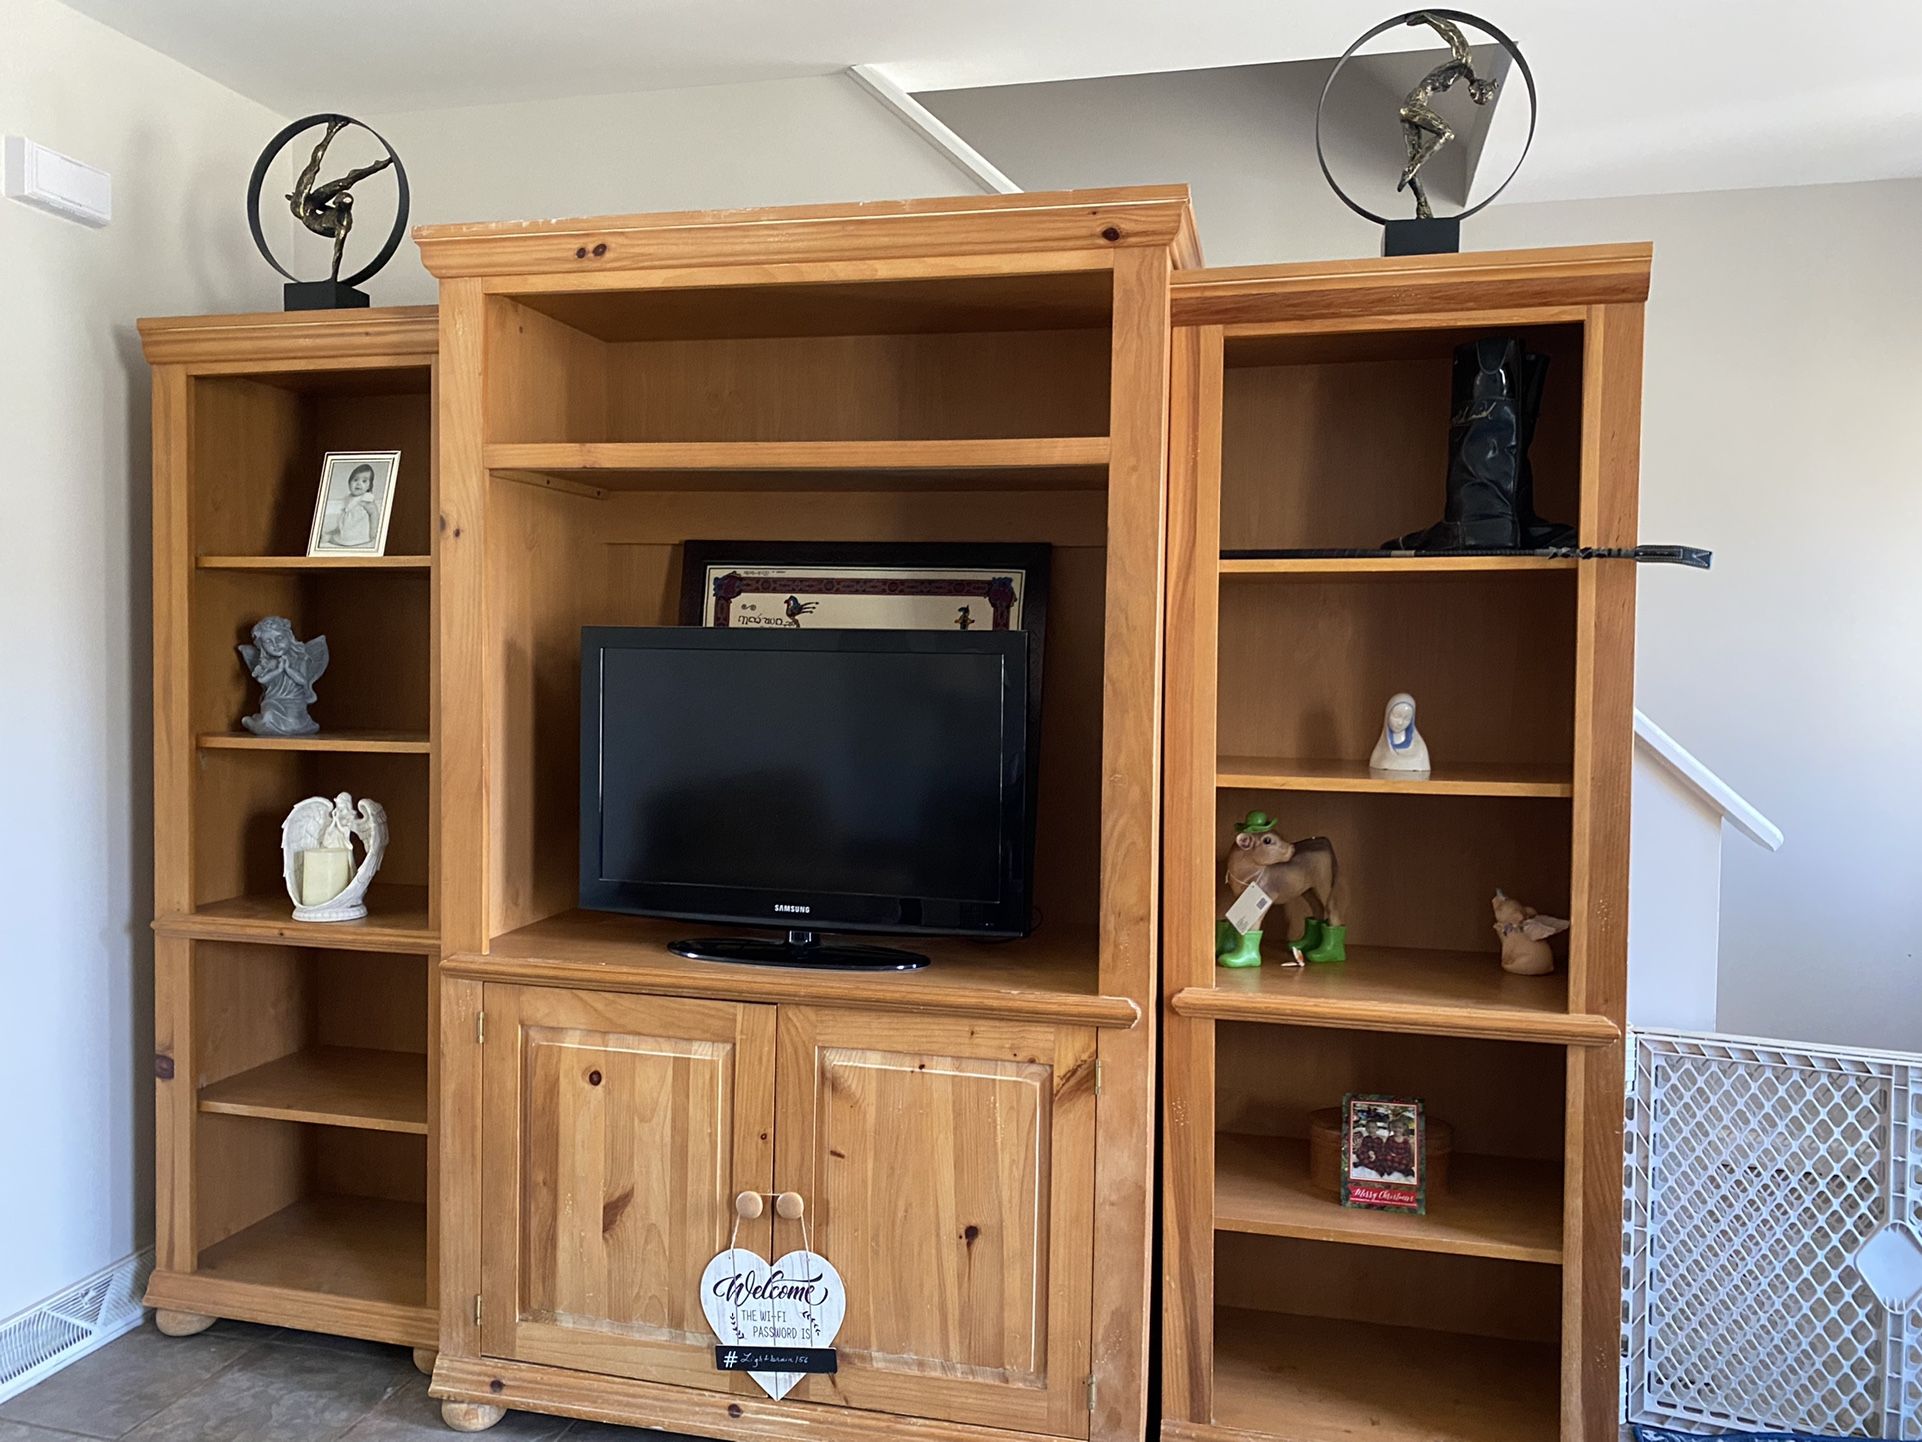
(316, 850)
(1524, 932)
(1401, 747)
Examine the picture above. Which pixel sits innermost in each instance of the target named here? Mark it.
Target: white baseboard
(64, 1328)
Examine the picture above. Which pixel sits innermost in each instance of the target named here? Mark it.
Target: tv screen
(824, 780)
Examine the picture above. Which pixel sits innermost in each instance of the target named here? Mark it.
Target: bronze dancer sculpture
(329, 209)
(1424, 130)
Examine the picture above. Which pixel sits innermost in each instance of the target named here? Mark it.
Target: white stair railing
(1681, 812)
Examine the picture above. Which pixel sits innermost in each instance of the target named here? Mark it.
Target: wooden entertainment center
(510, 1133)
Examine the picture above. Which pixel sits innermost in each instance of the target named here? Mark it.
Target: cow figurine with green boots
(1285, 872)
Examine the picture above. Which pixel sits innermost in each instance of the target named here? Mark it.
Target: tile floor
(237, 1382)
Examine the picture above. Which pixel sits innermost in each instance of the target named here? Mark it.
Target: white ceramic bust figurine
(1401, 747)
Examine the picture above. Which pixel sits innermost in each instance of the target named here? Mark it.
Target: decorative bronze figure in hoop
(327, 209)
(1425, 131)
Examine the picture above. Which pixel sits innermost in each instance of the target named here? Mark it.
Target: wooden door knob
(789, 1206)
(747, 1206)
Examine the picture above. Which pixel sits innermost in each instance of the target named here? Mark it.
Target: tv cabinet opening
(565, 560)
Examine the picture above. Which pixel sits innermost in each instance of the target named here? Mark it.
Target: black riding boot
(1537, 534)
(1485, 453)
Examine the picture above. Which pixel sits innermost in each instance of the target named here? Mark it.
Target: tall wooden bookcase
(973, 1143)
(293, 1061)
(1310, 407)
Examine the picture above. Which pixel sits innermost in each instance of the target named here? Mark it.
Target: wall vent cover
(63, 1329)
(1772, 1262)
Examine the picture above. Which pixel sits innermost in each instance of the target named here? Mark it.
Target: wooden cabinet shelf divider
(380, 1091)
(311, 564)
(364, 1250)
(396, 920)
(1316, 1379)
(1402, 989)
(1271, 773)
(994, 463)
(1284, 567)
(394, 743)
(1493, 1207)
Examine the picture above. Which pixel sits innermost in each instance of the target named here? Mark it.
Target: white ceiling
(1639, 95)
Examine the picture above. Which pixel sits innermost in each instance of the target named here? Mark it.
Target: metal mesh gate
(1773, 1256)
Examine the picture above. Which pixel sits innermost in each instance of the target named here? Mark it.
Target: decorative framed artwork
(857, 585)
(865, 585)
(1384, 1153)
(355, 503)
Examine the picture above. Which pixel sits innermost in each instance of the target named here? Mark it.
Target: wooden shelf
(1049, 298)
(1445, 993)
(1270, 773)
(1494, 1206)
(314, 563)
(365, 1248)
(396, 920)
(1393, 565)
(380, 1091)
(1315, 1379)
(1049, 462)
(392, 743)
(1051, 977)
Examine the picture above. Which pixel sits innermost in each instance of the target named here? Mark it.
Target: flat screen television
(816, 781)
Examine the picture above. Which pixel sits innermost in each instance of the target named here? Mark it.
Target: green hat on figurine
(1256, 823)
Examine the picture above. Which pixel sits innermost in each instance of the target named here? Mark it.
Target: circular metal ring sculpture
(326, 209)
(1415, 17)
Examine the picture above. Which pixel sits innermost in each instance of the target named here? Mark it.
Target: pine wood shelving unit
(981, 369)
(294, 1061)
(1310, 409)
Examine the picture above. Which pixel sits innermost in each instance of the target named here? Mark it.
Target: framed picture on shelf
(866, 585)
(355, 503)
(862, 585)
(1384, 1153)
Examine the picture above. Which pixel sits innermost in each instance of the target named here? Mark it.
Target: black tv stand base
(801, 948)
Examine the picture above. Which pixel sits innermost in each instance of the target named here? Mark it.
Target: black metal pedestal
(322, 295)
(1440, 235)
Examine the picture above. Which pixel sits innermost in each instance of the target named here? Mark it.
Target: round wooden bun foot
(424, 1359)
(181, 1324)
(470, 1416)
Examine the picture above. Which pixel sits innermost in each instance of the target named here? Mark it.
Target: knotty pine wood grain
(605, 249)
(1188, 1045)
(1426, 285)
(978, 1271)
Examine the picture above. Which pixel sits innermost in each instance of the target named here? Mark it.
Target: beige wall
(785, 142)
(1781, 382)
(1778, 428)
(76, 1036)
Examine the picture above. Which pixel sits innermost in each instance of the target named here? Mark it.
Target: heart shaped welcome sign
(757, 1307)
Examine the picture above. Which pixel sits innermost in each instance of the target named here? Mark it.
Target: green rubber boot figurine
(1236, 948)
(1310, 937)
(1329, 944)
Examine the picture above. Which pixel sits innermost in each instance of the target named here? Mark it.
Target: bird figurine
(1524, 932)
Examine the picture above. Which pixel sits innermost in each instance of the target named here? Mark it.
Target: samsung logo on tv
(795, 910)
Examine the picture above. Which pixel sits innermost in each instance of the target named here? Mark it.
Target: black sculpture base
(1440, 235)
(322, 295)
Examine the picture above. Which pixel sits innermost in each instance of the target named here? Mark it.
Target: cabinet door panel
(620, 1130)
(947, 1166)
